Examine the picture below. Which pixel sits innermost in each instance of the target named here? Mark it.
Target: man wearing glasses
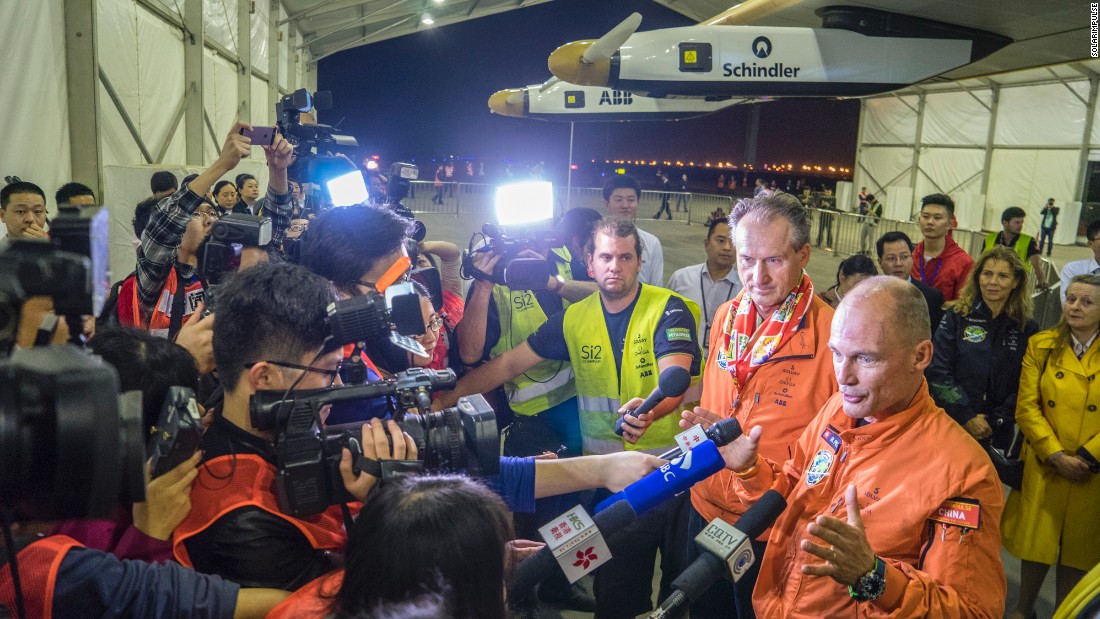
(271, 334)
(166, 289)
(895, 258)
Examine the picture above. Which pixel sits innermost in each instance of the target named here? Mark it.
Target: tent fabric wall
(262, 109)
(259, 28)
(220, 21)
(219, 100)
(36, 136)
(1037, 146)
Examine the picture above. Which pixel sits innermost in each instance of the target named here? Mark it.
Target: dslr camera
(461, 439)
(222, 249)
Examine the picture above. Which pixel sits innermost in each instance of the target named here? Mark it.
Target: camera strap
(387, 470)
(175, 322)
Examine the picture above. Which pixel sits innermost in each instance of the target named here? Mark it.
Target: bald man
(892, 507)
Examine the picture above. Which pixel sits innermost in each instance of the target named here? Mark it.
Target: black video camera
(375, 320)
(311, 141)
(221, 254)
(70, 445)
(462, 439)
(512, 271)
(177, 433)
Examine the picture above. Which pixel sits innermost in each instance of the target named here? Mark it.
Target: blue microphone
(671, 479)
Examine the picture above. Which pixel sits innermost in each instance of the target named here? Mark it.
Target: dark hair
(11, 189)
(941, 199)
(577, 223)
(272, 311)
(187, 179)
(767, 208)
(69, 191)
(147, 363)
(714, 223)
(621, 181)
(163, 181)
(428, 605)
(853, 265)
(892, 237)
(142, 212)
(218, 186)
(615, 228)
(1012, 212)
(242, 179)
(344, 243)
(870, 197)
(1093, 230)
(420, 530)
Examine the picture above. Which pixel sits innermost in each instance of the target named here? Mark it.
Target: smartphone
(261, 136)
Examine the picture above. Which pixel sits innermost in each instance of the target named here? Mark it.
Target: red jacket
(931, 506)
(946, 272)
(313, 601)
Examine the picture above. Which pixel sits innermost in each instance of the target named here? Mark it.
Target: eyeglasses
(892, 259)
(332, 374)
(204, 214)
(434, 324)
(298, 227)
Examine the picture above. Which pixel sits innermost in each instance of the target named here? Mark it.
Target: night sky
(425, 96)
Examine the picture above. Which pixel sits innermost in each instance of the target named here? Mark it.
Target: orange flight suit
(931, 506)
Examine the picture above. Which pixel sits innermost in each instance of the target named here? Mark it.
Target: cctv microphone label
(577, 544)
(725, 541)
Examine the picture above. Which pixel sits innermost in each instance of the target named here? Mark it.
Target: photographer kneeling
(270, 335)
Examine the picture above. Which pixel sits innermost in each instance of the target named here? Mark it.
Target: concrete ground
(683, 245)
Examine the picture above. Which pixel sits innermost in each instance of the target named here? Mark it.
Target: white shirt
(695, 283)
(653, 260)
(1072, 269)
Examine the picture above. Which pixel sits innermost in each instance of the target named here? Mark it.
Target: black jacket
(934, 299)
(976, 368)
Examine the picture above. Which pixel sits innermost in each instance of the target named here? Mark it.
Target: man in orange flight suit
(892, 509)
(782, 390)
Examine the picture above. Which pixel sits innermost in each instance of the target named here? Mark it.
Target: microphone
(540, 566)
(669, 480)
(722, 433)
(728, 550)
(672, 383)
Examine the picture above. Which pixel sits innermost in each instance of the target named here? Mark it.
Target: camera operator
(168, 289)
(496, 320)
(353, 247)
(270, 335)
(151, 365)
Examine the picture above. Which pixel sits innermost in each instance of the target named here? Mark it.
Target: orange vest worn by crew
(248, 480)
(930, 501)
(784, 395)
(38, 567)
(313, 601)
(160, 320)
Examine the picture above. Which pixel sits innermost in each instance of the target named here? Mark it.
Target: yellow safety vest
(601, 390)
(1022, 243)
(518, 311)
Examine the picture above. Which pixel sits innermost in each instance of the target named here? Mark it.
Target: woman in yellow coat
(1056, 515)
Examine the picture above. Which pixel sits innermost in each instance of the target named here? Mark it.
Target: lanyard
(703, 296)
(935, 271)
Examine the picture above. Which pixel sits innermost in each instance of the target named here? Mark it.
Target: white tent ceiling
(1046, 33)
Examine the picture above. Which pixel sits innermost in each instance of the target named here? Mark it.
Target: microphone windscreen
(724, 432)
(674, 381)
(762, 514)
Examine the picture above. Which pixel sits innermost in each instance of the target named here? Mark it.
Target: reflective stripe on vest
(1022, 243)
(39, 564)
(161, 317)
(227, 483)
(550, 382)
(600, 389)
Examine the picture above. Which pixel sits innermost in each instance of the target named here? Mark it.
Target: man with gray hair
(767, 365)
(892, 509)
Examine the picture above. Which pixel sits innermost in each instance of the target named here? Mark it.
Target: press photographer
(73, 449)
(270, 335)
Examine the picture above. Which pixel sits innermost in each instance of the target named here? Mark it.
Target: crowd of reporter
(211, 538)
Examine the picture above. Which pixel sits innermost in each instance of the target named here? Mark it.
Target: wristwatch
(560, 282)
(871, 585)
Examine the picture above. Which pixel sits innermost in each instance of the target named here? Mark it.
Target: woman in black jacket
(980, 346)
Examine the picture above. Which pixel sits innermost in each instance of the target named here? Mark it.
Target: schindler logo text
(755, 70)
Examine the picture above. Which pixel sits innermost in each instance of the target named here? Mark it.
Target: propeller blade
(608, 44)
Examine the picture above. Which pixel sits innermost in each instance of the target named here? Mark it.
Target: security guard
(1012, 237)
